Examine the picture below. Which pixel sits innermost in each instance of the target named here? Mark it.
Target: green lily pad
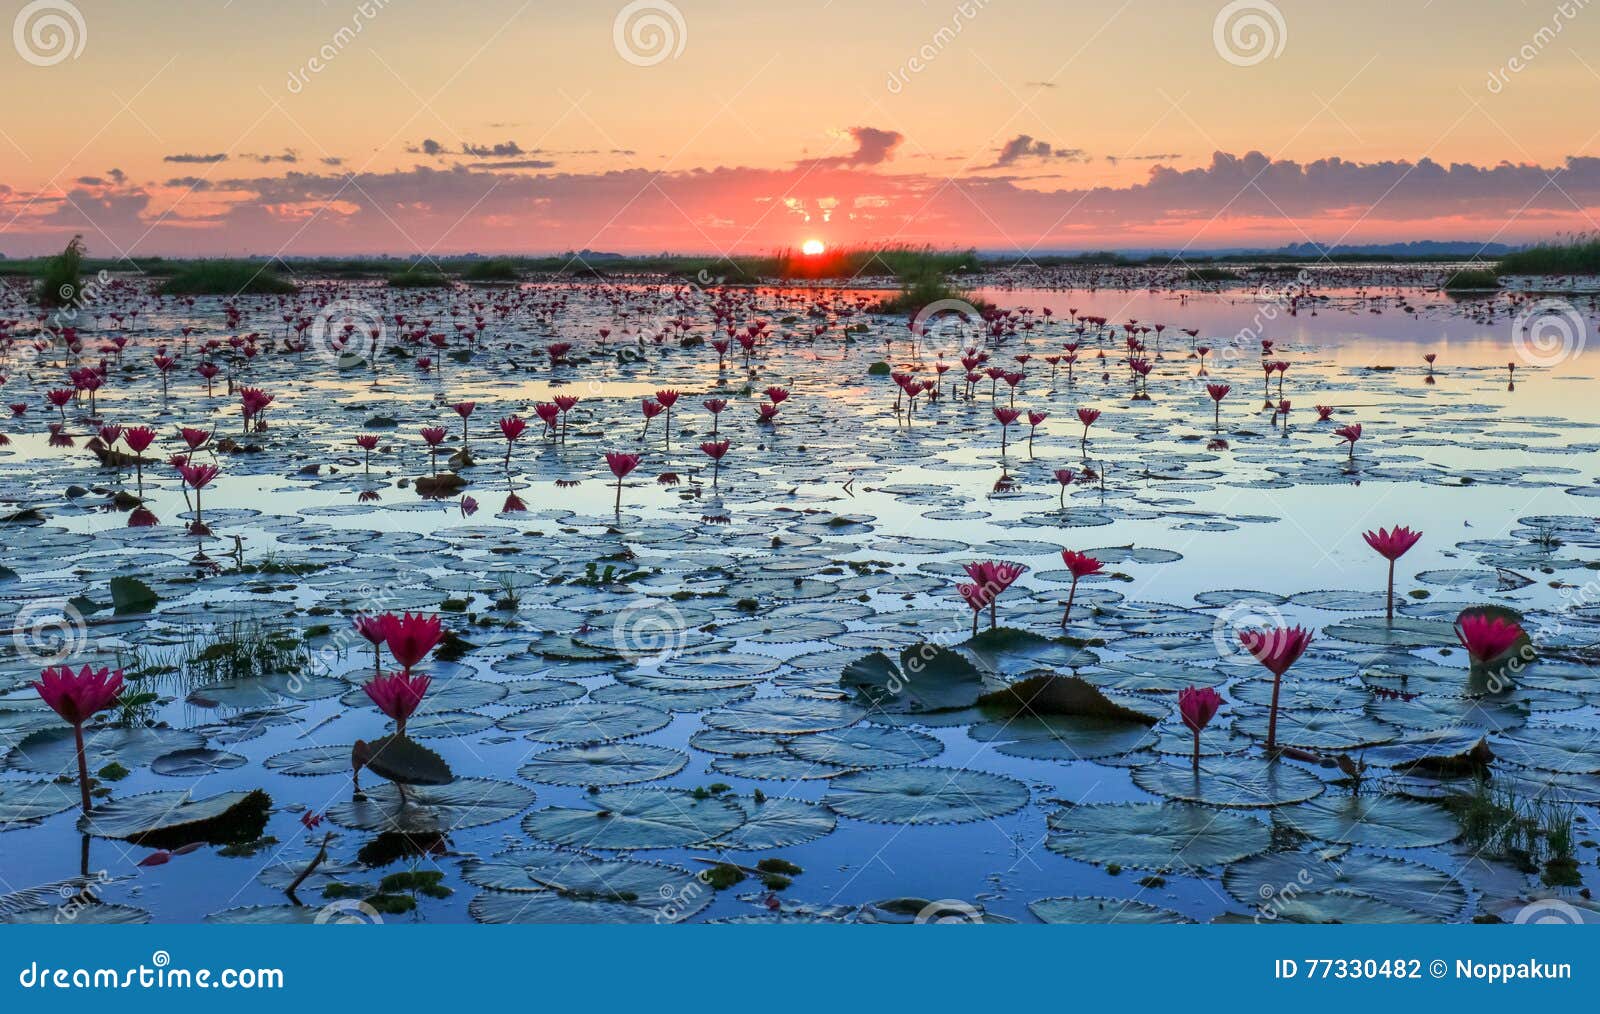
(1375, 821)
(432, 809)
(1156, 836)
(924, 795)
(603, 764)
(635, 818)
(1097, 911)
(1230, 781)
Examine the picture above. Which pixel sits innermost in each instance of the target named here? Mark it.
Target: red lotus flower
(514, 505)
(1392, 545)
(778, 394)
(1351, 433)
(715, 405)
(198, 476)
(651, 408)
(411, 637)
(194, 437)
(715, 449)
(766, 412)
(140, 517)
(367, 442)
(434, 435)
(1218, 391)
(398, 696)
(1197, 708)
(511, 427)
(77, 697)
(374, 628)
(667, 398)
(1486, 637)
(621, 463)
(138, 438)
(464, 408)
(1324, 412)
(1277, 649)
(1080, 564)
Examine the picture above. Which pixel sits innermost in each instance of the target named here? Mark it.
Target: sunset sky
(204, 127)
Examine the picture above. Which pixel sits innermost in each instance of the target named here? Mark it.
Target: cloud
(196, 159)
(436, 149)
(1023, 146)
(1230, 200)
(873, 147)
(289, 157)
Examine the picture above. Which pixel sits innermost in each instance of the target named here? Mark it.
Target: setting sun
(812, 247)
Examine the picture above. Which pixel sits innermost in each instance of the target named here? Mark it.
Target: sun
(812, 247)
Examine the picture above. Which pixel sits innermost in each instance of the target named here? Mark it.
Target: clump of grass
(1578, 254)
(499, 269)
(61, 281)
(1468, 279)
(228, 278)
(924, 290)
(418, 277)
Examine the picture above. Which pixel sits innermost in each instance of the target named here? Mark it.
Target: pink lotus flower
(1079, 565)
(77, 697)
(1277, 649)
(1392, 546)
(621, 464)
(1486, 637)
(411, 637)
(513, 505)
(1197, 708)
(1087, 416)
(990, 578)
(398, 696)
(1352, 433)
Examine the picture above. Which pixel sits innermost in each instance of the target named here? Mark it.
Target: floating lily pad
(1374, 821)
(1230, 781)
(1098, 911)
(635, 818)
(924, 795)
(603, 764)
(1156, 836)
(432, 809)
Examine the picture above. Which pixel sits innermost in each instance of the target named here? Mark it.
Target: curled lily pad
(924, 795)
(1156, 836)
(171, 819)
(1064, 737)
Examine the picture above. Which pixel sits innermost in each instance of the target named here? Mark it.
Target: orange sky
(321, 126)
